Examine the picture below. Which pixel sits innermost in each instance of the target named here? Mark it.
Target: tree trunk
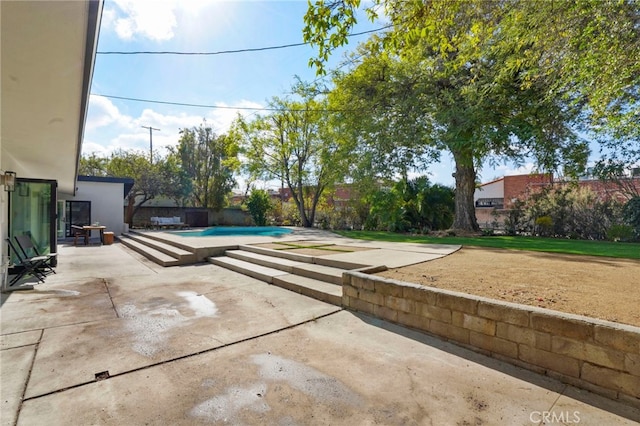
(306, 223)
(131, 201)
(465, 217)
(298, 197)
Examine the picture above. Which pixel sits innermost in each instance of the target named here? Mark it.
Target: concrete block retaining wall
(600, 356)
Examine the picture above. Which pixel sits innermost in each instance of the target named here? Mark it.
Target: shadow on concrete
(549, 383)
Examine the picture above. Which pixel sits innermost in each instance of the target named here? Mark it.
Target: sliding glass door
(78, 213)
(32, 211)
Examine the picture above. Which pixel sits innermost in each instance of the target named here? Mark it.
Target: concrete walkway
(114, 339)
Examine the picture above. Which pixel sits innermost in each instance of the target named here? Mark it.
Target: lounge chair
(30, 250)
(80, 232)
(27, 266)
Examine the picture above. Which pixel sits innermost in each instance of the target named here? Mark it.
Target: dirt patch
(597, 287)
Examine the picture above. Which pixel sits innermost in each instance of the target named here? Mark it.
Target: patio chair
(30, 250)
(27, 266)
(80, 232)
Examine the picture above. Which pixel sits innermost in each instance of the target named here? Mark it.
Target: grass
(551, 245)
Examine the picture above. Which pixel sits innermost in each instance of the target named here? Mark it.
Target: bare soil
(597, 287)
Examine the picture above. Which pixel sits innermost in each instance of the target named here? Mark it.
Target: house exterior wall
(490, 217)
(493, 189)
(4, 227)
(106, 203)
(610, 190)
(521, 186)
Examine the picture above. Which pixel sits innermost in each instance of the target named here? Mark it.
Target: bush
(621, 233)
(259, 204)
(564, 212)
(544, 225)
(411, 206)
(631, 214)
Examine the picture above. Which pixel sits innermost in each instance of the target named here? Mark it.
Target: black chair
(80, 232)
(30, 250)
(27, 266)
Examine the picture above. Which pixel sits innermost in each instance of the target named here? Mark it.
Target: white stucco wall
(106, 203)
(490, 190)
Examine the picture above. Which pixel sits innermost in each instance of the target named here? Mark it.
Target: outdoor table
(100, 228)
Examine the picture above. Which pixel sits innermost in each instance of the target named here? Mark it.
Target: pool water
(230, 231)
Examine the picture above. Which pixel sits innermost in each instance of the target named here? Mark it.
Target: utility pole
(151, 129)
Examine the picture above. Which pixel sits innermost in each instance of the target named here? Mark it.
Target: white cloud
(489, 173)
(108, 129)
(220, 119)
(103, 113)
(155, 20)
(525, 169)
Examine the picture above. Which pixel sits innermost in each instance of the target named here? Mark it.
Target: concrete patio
(113, 338)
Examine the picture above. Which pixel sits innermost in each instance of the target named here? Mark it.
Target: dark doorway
(78, 213)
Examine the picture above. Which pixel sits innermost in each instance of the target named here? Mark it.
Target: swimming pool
(231, 231)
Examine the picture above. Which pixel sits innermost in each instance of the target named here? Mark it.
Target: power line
(222, 52)
(153, 101)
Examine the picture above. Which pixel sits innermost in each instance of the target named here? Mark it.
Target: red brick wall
(521, 186)
(611, 190)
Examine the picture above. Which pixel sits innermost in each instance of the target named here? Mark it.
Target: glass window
(32, 212)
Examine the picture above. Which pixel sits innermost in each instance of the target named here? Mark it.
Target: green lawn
(591, 248)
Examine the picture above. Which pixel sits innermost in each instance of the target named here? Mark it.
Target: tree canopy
(150, 179)
(209, 162)
(485, 81)
(295, 145)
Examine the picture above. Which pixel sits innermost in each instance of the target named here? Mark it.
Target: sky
(225, 81)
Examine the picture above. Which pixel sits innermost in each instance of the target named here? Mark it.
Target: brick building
(500, 194)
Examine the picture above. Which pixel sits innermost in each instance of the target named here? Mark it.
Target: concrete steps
(310, 270)
(320, 290)
(319, 272)
(262, 273)
(263, 260)
(161, 253)
(292, 271)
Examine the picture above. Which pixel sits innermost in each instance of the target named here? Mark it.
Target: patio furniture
(100, 228)
(27, 266)
(167, 222)
(25, 244)
(108, 238)
(80, 232)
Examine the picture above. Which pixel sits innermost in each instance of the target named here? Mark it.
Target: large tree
(162, 177)
(178, 185)
(210, 161)
(480, 80)
(93, 165)
(149, 179)
(295, 145)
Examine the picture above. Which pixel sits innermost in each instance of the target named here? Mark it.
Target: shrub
(574, 212)
(631, 214)
(544, 225)
(620, 233)
(259, 205)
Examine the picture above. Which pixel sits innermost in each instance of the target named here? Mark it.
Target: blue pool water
(227, 231)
